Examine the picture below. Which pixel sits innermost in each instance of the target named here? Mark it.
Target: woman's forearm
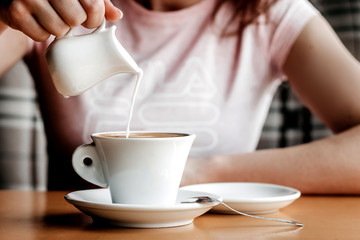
(13, 46)
(329, 165)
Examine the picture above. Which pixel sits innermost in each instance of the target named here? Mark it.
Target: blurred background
(23, 157)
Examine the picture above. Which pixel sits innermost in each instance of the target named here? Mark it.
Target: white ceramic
(252, 198)
(137, 170)
(76, 63)
(97, 204)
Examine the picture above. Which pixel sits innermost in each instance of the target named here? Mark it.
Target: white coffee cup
(78, 62)
(145, 168)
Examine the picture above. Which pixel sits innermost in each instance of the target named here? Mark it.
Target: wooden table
(46, 215)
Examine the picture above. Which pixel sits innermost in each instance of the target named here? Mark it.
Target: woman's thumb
(112, 13)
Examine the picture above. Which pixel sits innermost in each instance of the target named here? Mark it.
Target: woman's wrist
(204, 170)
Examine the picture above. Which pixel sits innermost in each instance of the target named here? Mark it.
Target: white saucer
(97, 204)
(252, 198)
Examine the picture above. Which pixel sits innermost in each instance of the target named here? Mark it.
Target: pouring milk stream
(77, 63)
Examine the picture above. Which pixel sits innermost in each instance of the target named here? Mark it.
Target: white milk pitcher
(76, 63)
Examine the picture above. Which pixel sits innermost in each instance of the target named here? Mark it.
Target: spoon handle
(265, 218)
(207, 199)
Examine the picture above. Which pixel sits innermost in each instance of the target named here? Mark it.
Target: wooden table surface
(46, 215)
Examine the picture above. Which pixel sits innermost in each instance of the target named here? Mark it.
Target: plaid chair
(23, 157)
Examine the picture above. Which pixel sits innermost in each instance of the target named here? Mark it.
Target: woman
(211, 68)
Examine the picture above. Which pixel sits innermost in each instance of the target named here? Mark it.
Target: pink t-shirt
(195, 81)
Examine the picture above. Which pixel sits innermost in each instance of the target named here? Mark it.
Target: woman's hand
(39, 19)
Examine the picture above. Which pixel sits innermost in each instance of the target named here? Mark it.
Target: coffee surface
(142, 135)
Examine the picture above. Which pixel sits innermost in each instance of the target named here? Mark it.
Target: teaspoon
(207, 199)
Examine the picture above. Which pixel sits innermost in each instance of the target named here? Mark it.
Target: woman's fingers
(95, 10)
(36, 18)
(19, 16)
(31, 28)
(112, 13)
(71, 11)
(49, 19)
(40, 18)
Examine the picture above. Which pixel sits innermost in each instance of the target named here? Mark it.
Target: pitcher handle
(100, 28)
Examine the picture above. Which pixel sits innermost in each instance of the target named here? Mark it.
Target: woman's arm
(326, 78)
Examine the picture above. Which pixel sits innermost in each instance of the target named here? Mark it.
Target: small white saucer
(97, 204)
(252, 198)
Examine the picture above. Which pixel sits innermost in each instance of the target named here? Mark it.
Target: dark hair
(245, 13)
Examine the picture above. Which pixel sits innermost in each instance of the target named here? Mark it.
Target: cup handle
(91, 172)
